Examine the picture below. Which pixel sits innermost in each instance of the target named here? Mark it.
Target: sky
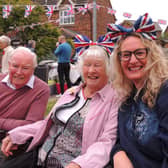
(156, 9)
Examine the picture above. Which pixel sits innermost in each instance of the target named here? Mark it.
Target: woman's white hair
(94, 51)
(28, 51)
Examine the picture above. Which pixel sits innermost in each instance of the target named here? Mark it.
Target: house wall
(103, 18)
(84, 22)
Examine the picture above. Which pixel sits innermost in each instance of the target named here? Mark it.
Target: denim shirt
(143, 131)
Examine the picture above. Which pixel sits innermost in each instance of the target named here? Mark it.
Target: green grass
(51, 82)
(50, 104)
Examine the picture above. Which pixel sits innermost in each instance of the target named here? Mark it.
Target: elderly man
(7, 50)
(23, 97)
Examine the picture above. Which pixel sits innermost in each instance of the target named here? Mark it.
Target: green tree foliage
(165, 36)
(22, 29)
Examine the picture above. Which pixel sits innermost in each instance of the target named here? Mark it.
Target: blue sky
(156, 9)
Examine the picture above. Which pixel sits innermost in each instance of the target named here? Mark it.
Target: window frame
(66, 19)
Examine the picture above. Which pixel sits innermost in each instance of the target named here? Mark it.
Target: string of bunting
(21, 28)
(6, 10)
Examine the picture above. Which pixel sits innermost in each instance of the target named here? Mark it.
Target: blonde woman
(141, 73)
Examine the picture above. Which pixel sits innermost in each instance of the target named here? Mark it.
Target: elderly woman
(81, 128)
(5, 45)
(141, 74)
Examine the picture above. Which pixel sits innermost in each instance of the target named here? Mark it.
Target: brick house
(80, 23)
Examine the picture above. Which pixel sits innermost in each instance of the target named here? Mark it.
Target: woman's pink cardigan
(99, 131)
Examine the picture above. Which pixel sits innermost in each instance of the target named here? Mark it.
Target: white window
(66, 17)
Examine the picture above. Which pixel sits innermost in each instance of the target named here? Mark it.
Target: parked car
(53, 73)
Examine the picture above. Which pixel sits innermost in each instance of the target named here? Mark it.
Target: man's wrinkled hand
(8, 146)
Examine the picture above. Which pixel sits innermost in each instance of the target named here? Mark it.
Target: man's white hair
(25, 50)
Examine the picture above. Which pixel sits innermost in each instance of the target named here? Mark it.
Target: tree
(35, 26)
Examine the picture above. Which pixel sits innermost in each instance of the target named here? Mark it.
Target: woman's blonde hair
(156, 70)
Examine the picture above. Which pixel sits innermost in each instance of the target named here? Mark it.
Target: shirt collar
(102, 92)
(6, 48)
(30, 83)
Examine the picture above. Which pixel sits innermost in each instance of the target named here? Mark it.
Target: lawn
(50, 104)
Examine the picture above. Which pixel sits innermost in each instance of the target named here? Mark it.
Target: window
(66, 17)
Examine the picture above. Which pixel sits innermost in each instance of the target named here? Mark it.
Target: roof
(158, 28)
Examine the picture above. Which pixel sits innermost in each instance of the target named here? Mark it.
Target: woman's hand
(8, 146)
(72, 165)
(121, 160)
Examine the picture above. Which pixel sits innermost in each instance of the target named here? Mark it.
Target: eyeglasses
(139, 53)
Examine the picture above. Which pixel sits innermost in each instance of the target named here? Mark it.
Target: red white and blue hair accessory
(143, 25)
(82, 43)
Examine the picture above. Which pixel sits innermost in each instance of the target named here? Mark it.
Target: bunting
(70, 10)
(22, 28)
(126, 14)
(28, 10)
(50, 10)
(6, 10)
(84, 9)
(161, 21)
(111, 11)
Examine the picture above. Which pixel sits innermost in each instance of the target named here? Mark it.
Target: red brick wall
(83, 23)
(103, 18)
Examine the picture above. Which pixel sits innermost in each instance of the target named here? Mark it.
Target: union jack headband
(144, 25)
(82, 43)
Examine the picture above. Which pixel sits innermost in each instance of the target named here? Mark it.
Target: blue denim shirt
(143, 131)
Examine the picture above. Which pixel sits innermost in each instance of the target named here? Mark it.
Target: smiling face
(94, 72)
(134, 68)
(20, 68)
